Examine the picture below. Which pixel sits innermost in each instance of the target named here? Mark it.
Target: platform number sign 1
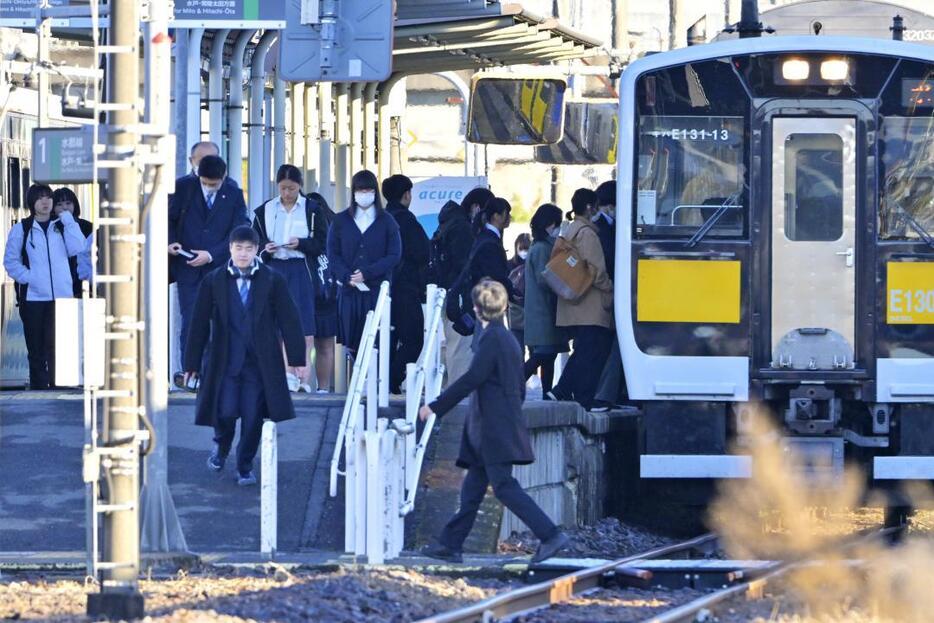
(328, 41)
(63, 155)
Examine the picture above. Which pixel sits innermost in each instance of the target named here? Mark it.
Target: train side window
(14, 191)
(813, 187)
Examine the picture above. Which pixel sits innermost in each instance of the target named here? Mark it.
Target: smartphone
(188, 255)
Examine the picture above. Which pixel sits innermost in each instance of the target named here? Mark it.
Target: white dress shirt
(494, 230)
(287, 225)
(364, 218)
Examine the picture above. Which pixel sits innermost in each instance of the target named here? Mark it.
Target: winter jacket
(48, 276)
(595, 308)
(540, 301)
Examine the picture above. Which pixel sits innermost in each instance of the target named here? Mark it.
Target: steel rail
(754, 589)
(544, 594)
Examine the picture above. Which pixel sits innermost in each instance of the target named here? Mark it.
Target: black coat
(193, 226)
(607, 235)
(495, 430)
(489, 260)
(456, 236)
(317, 221)
(410, 277)
(274, 315)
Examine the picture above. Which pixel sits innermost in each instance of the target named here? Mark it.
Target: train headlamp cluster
(831, 69)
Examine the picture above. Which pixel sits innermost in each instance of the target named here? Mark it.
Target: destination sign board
(63, 155)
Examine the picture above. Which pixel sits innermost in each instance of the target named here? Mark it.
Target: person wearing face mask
(37, 257)
(516, 266)
(544, 339)
(605, 220)
(202, 213)
(293, 233)
(364, 247)
(65, 200)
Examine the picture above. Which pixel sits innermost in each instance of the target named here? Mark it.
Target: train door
(813, 243)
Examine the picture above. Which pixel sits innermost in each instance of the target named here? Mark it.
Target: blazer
(312, 246)
(495, 430)
(375, 252)
(48, 275)
(410, 276)
(490, 260)
(193, 226)
(273, 316)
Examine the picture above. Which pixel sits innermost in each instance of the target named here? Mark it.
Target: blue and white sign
(431, 193)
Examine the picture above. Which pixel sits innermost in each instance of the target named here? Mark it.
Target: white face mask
(364, 199)
(523, 254)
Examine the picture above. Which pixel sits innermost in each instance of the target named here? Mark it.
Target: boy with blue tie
(244, 309)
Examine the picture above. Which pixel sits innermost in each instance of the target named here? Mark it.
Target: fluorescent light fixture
(834, 69)
(796, 69)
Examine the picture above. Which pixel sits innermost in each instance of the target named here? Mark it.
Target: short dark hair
(582, 198)
(478, 196)
(244, 233)
(35, 193)
(547, 215)
(606, 194)
(395, 186)
(291, 173)
(67, 194)
(212, 168)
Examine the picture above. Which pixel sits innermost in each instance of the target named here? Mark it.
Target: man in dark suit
(605, 220)
(202, 213)
(408, 281)
(495, 435)
(243, 308)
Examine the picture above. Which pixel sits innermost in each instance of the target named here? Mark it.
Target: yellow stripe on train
(909, 293)
(688, 291)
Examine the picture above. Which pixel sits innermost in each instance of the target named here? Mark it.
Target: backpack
(458, 306)
(442, 269)
(324, 281)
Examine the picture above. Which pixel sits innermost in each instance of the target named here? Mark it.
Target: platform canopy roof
(448, 35)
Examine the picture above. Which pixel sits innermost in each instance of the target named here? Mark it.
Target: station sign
(63, 155)
(22, 14)
(229, 14)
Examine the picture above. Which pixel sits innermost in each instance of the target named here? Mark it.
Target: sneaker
(178, 379)
(599, 407)
(292, 381)
(440, 552)
(216, 461)
(304, 387)
(322, 391)
(249, 478)
(551, 547)
(551, 396)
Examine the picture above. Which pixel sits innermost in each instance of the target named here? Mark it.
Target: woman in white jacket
(36, 258)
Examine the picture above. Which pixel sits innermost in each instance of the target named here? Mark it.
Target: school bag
(322, 276)
(567, 273)
(458, 306)
(442, 269)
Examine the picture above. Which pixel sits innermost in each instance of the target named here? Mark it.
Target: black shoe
(551, 547)
(179, 380)
(216, 460)
(246, 479)
(440, 552)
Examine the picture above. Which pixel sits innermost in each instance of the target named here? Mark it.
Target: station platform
(42, 500)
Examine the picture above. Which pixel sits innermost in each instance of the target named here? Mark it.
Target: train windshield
(692, 168)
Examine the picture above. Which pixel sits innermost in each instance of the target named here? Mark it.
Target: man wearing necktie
(244, 310)
(202, 213)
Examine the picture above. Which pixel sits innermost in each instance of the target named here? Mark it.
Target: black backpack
(442, 269)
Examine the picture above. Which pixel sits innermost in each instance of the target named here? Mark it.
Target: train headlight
(796, 69)
(835, 70)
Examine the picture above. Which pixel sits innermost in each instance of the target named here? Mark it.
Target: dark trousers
(507, 490)
(582, 373)
(407, 337)
(39, 328)
(187, 295)
(241, 397)
(547, 365)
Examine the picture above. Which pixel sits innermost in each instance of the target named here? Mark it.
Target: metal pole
(258, 176)
(621, 29)
(193, 122)
(180, 53)
(161, 530)
(278, 120)
(325, 145)
(357, 127)
(44, 32)
(235, 108)
(298, 128)
(463, 88)
(370, 125)
(120, 596)
(216, 89)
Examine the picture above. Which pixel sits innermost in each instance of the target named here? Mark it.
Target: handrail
(416, 386)
(361, 367)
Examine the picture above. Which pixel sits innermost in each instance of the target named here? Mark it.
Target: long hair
(547, 215)
(67, 194)
(364, 180)
(496, 205)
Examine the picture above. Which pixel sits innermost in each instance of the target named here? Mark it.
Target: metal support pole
(258, 176)
(370, 125)
(279, 121)
(325, 148)
(356, 127)
(193, 94)
(269, 496)
(312, 130)
(44, 33)
(120, 596)
(267, 144)
(383, 370)
(160, 529)
(383, 142)
(470, 155)
(235, 108)
(297, 127)
(180, 120)
(216, 89)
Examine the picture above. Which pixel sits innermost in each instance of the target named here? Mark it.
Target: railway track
(695, 582)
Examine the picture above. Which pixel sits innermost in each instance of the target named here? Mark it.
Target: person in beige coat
(588, 319)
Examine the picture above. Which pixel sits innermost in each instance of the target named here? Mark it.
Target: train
(775, 254)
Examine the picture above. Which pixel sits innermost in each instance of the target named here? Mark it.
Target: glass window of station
(692, 151)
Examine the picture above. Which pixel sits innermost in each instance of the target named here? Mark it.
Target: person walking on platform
(364, 248)
(243, 309)
(451, 246)
(38, 255)
(326, 292)
(588, 318)
(292, 234)
(495, 434)
(408, 281)
(543, 338)
(203, 211)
